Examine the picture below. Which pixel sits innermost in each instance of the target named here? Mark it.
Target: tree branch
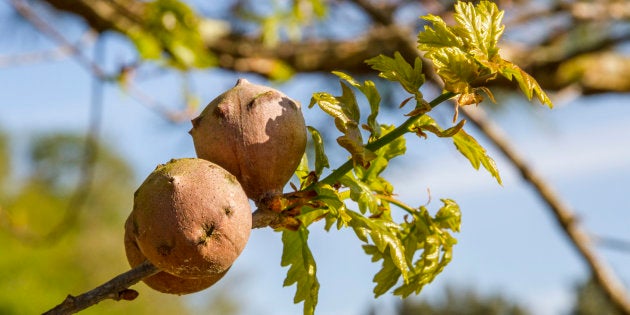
(563, 214)
(115, 289)
(241, 53)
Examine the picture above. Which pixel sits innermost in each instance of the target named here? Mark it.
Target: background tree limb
(561, 211)
(556, 62)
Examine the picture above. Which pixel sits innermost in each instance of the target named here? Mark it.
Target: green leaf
(321, 160)
(384, 236)
(302, 270)
(449, 216)
(333, 107)
(387, 277)
(456, 68)
(428, 266)
(466, 55)
(374, 99)
(397, 69)
(361, 193)
(349, 103)
(528, 85)
(480, 26)
(438, 36)
(427, 123)
(432, 237)
(345, 111)
(302, 171)
(353, 142)
(475, 153)
(334, 205)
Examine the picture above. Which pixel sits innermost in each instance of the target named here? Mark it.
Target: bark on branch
(116, 289)
(241, 53)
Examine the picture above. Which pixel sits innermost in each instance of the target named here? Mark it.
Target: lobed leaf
(302, 270)
(449, 216)
(374, 99)
(385, 239)
(371, 94)
(475, 153)
(387, 277)
(361, 193)
(528, 85)
(397, 69)
(430, 235)
(438, 36)
(466, 55)
(336, 210)
(456, 68)
(427, 123)
(302, 171)
(321, 160)
(331, 106)
(349, 103)
(346, 113)
(480, 27)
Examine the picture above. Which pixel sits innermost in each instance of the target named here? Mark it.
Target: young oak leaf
(321, 160)
(360, 193)
(432, 237)
(475, 153)
(424, 239)
(387, 277)
(302, 171)
(449, 216)
(384, 237)
(456, 68)
(438, 36)
(336, 209)
(345, 112)
(397, 69)
(302, 270)
(528, 85)
(480, 26)
(466, 55)
(427, 123)
(373, 97)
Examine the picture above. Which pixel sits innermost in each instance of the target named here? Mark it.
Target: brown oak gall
(163, 281)
(256, 133)
(191, 219)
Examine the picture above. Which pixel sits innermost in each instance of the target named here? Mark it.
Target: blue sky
(509, 242)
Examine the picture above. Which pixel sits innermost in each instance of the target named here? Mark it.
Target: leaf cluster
(355, 195)
(466, 55)
(412, 252)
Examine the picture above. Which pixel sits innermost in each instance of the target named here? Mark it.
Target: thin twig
(115, 289)
(562, 212)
